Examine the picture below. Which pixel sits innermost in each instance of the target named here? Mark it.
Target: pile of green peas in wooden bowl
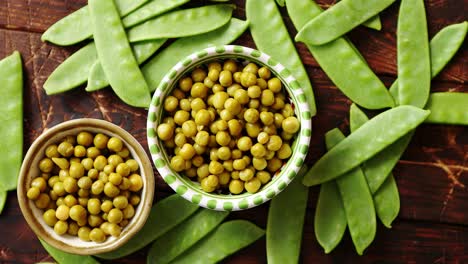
(228, 128)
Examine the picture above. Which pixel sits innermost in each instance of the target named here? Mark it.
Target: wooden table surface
(432, 176)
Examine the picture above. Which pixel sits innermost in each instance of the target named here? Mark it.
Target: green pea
(448, 108)
(64, 257)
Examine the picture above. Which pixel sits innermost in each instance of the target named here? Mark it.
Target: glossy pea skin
(161, 219)
(155, 69)
(183, 23)
(271, 36)
(340, 19)
(356, 75)
(448, 108)
(371, 138)
(64, 257)
(226, 239)
(108, 31)
(286, 221)
(183, 236)
(357, 200)
(11, 131)
(149, 10)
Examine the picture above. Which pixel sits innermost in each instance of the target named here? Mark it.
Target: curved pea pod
(350, 79)
(368, 140)
(373, 22)
(183, 236)
(443, 47)
(271, 36)
(156, 67)
(77, 26)
(118, 63)
(340, 19)
(222, 242)
(73, 72)
(183, 23)
(286, 221)
(387, 201)
(11, 112)
(3, 197)
(448, 108)
(149, 10)
(164, 216)
(67, 258)
(141, 50)
(357, 200)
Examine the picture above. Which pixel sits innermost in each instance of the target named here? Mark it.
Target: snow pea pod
(340, 19)
(271, 36)
(150, 10)
(448, 108)
(182, 23)
(11, 116)
(355, 75)
(373, 22)
(118, 63)
(184, 235)
(163, 217)
(357, 200)
(443, 47)
(67, 258)
(413, 57)
(387, 201)
(371, 138)
(280, 2)
(286, 221)
(141, 50)
(77, 26)
(222, 242)
(3, 197)
(160, 64)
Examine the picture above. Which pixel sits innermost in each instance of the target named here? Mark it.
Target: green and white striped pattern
(191, 190)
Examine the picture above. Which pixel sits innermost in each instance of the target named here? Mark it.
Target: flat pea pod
(340, 19)
(443, 47)
(448, 108)
(371, 138)
(67, 258)
(141, 50)
(286, 221)
(183, 236)
(11, 112)
(373, 22)
(162, 218)
(151, 9)
(271, 36)
(160, 64)
(183, 23)
(73, 72)
(355, 75)
(413, 57)
(357, 200)
(118, 63)
(387, 201)
(226, 239)
(3, 197)
(77, 26)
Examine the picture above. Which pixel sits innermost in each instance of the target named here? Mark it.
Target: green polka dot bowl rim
(191, 190)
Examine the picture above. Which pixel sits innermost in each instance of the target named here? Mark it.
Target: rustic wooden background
(432, 176)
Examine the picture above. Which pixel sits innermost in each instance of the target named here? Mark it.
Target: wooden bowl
(30, 170)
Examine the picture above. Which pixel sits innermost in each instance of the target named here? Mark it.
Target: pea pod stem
(67, 258)
(448, 108)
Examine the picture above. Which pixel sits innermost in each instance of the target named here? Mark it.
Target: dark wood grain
(433, 224)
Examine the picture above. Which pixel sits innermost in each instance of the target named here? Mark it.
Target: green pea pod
(183, 23)
(131, 87)
(67, 258)
(183, 236)
(3, 197)
(286, 221)
(350, 79)
(371, 138)
(11, 112)
(155, 69)
(373, 22)
(77, 26)
(151, 9)
(448, 108)
(414, 65)
(222, 242)
(271, 36)
(280, 2)
(357, 200)
(340, 19)
(162, 218)
(443, 47)
(387, 201)
(141, 50)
